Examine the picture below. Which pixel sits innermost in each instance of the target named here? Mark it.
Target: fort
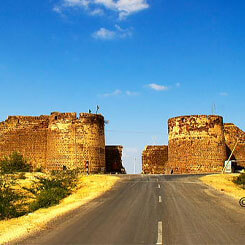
(197, 144)
(113, 155)
(154, 159)
(57, 141)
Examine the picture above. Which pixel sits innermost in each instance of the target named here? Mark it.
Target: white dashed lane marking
(159, 233)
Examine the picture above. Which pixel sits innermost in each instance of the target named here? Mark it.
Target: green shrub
(48, 197)
(240, 180)
(47, 191)
(14, 163)
(8, 200)
(51, 190)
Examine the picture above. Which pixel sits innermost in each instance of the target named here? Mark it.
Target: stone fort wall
(114, 159)
(196, 144)
(57, 141)
(234, 136)
(154, 159)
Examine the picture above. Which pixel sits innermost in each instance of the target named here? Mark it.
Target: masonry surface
(197, 144)
(56, 141)
(114, 159)
(154, 159)
(235, 138)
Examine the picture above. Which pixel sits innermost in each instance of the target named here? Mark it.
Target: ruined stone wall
(154, 159)
(196, 144)
(232, 135)
(27, 135)
(58, 141)
(114, 159)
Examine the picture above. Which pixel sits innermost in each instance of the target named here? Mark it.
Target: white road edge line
(160, 199)
(159, 233)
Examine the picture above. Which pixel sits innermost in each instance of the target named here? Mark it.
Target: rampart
(114, 159)
(235, 138)
(196, 144)
(58, 141)
(154, 159)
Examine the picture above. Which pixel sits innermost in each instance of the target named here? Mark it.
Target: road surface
(151, 210)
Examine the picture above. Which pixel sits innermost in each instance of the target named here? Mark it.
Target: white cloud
(158, 87)
(118, 32)
(123, 8)
(120, 92)
(104, 34)
(57, 9)
(131, 93)
(114, 93)
(76, 3)
(223, 94)
(97, 11)
(122, 33)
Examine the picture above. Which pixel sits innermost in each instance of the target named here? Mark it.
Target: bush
(47, 192)
(51, 190)
(14, 163)
(240, 180)
(48, 197)
(8, 199)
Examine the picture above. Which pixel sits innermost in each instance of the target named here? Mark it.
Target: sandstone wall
(27, 135)
(154, 159)
(114, 159)
(90, 141)
(59, 141)
(196, 144)
(232, 134)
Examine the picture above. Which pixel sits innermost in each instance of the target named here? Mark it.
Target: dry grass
(223, 182)
(89, 187)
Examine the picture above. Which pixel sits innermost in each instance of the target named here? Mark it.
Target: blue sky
(141, 61)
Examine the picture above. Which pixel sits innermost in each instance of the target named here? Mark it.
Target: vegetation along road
(151, 210)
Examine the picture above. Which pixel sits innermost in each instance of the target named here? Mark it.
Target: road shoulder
(224, 184)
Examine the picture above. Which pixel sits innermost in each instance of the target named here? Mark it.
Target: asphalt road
(151, 210)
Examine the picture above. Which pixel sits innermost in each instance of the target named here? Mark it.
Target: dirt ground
(223, 182)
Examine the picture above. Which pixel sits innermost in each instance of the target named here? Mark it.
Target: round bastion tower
(90, 141)
(72, 142)
(196, 144)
